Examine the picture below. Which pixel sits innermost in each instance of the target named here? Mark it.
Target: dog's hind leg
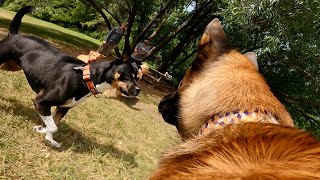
(44, 111)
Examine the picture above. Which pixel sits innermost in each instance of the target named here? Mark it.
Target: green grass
(102, 138)
(49, 31)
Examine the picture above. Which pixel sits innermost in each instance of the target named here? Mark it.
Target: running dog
(232, 124)
(58, 79)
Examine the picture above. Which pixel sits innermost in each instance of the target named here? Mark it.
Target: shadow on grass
(81, 143)
(70, 137)
(19, 109)
(130, 102)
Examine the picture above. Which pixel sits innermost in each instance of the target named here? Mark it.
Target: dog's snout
(136, 91)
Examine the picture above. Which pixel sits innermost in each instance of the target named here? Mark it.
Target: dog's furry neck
(101, 72)
(230, 83)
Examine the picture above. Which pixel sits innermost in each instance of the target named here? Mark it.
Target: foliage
(284, 34)
(71, 14)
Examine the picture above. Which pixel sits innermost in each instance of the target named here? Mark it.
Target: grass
(50, 31)
(101, 138)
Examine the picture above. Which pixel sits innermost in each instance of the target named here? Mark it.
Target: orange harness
(86, 77)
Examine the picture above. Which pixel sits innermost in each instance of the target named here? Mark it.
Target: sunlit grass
(49, 31)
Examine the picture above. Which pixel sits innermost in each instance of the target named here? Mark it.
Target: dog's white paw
(53, 143)
(40, 129)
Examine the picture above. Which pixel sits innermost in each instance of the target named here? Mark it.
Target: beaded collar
(221, 120)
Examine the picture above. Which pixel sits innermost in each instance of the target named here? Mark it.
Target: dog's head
(211, 46)
(95, 56)
(124, 78)
(221, 83)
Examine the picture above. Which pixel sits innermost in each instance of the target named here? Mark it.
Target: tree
(285, 35)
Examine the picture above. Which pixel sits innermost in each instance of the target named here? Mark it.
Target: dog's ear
(213, 41)
(212, 44)
(118, 61)
(253, 58)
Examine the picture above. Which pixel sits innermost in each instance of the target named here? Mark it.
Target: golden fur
(223, 80)
(144, 70)
(91, 57)
(244, 151)
(234, 84)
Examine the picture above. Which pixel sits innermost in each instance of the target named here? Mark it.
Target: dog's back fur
(245, 151)
(220, 81)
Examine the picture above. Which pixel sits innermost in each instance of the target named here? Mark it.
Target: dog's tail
(16, 22)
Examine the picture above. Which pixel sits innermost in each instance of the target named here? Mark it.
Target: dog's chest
(103, 87)
(73, 102)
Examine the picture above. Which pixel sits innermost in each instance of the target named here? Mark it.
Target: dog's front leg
(45, 114)
(48, 130)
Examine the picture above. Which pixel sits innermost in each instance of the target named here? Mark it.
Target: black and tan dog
(58, 79)
(232, 124)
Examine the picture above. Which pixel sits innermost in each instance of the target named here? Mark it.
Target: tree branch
(131, 18)
(99, 9)
(113, 16)
(299, 99)
(155, 19)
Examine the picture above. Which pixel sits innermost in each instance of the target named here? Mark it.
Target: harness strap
(86, 77)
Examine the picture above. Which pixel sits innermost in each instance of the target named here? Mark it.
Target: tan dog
(91, 57)
(144, 69)
(232, 124)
